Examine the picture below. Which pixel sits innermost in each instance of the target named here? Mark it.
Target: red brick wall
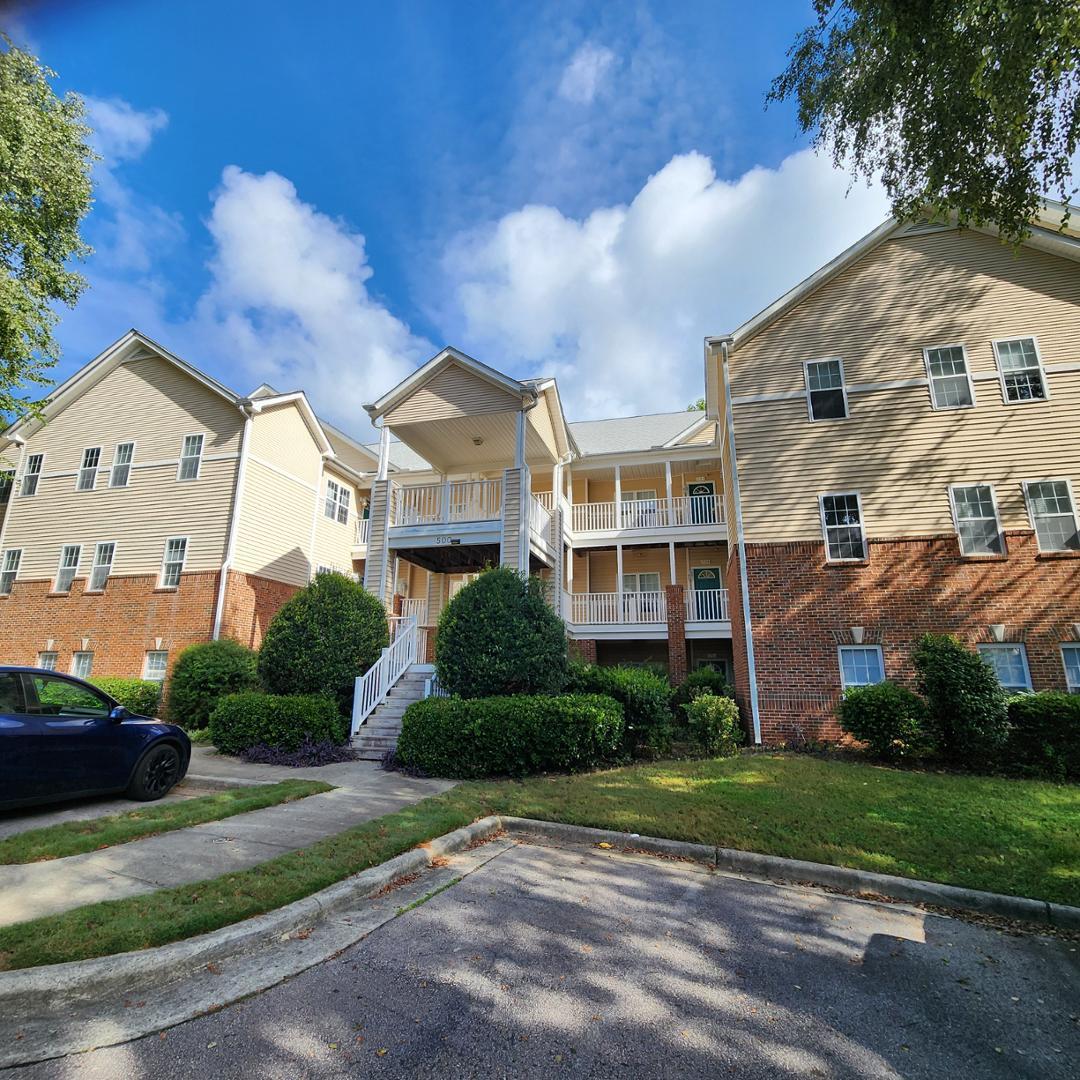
(250, 603)
(121, 624)
(583, 649)
(676, 627)
(802, 608)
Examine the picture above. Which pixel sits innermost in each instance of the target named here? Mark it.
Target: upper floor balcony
(450, 503)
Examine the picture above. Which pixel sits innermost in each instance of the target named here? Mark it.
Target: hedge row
(140, 696)
(282, 722)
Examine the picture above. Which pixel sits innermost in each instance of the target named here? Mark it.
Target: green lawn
(1010, 836)
(77, 837)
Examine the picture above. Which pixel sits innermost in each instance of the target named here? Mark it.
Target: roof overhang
(299, 400)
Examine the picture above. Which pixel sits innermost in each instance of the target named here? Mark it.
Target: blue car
(61, 738)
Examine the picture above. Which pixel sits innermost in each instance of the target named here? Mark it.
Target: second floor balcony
(451, 503)
(648, 515)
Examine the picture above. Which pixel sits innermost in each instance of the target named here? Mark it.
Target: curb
(797, 871)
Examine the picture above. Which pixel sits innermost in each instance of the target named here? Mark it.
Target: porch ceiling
(451, 444)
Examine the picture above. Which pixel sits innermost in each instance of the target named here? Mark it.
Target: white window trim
(74, 657)
(840, 664)
(181, 459)
(1031, 515)
(26, 473)
(637, 575)
(18, 565)
(1001, 371)
(131, 464)
(997, 516)
(1071, 687)
(347, 502)
(60, 566)
(94, 565)
(164, 557)
(825, 530)
(930, 377)
(146, 664)
(843, 389)
(1001, 646)
(48, 652)
(85, 468)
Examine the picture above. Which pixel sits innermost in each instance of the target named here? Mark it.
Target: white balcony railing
(684, 511)
(363, 531)
(539, 519)
(615, 608)
(707, 605)
(416, 609)
(442, 504)
(372, 687)
(546, 499)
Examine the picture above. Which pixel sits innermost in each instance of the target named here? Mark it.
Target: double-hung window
(9, 570)
(103, 560)
(1053, 515)
(977, 525)
(82, 663)
(172, 565)
(121, 466)
(826, 395)
(1010, 665)
(1021, 370)
(841, 521)
(190, 458)
(337, 502)
(861, 665)
(639, 508)
(950, 380)
(87, 479)
(157, 662)
(47, 660)
(32, 474)
(68, 568)
(1070, 654)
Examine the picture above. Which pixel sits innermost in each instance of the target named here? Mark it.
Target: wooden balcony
(452, 503)
(682, 513)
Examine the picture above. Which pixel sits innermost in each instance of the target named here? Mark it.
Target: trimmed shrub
(714, 724)
(205, 673)
(644, 696)
(279, 722)
(322, 638)
(704, 680)
(1044, 735)
(968, 710)
(141, 696)
(499, 635)
(892, 720)
(509, 736)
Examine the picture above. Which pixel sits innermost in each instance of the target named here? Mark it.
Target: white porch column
(618, 573)
(444, 512)
(671, 561)
(384, 452)
(618, 502)
(519, 448)
(670, 506)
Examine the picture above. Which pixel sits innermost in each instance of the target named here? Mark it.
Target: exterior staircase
(380, 731)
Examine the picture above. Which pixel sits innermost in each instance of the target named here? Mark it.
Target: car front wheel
(155, 774)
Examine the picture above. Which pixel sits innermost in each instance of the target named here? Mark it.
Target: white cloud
(120, 131)
(584, 75)
(616, 305)
(289, 299)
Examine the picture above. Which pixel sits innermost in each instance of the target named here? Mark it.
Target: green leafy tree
(44, 194)
(696, 406)
(963, 105)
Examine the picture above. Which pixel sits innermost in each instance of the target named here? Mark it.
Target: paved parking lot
(580, 962)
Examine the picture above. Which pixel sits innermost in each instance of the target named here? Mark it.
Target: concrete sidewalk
(364, 792)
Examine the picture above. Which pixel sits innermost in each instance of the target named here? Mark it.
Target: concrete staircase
(380, 731)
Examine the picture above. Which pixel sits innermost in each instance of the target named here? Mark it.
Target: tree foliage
(970, 106)
(44, 193)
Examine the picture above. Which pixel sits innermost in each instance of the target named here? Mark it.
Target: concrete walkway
(364, 791)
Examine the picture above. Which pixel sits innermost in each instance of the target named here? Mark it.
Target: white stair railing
(372, 687)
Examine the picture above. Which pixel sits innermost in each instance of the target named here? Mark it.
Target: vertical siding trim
(312, 564)
(230, 537)
(16, 481)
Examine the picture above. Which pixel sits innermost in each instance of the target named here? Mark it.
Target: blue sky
(322, 195)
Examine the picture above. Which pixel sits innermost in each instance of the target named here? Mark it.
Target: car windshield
(54, 696)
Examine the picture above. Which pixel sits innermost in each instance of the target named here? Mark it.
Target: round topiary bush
(890, 719)
(322, 638)
(499, 635)
(713, 720)
(276, 721)
(205, 673)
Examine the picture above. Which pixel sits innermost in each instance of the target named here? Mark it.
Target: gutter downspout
(20, 442)
(230, 543)
(725, 344)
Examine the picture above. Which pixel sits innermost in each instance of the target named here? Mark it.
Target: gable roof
(629, 433)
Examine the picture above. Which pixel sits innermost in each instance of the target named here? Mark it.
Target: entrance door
(702, 502)
(707, 595)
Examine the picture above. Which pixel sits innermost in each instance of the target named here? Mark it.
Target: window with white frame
(337, 502)
(82, 663)
(121, 466)
(157, 662)
(68, 568)
(825, 389)
(841, 519)
(190, 458)
(1053, 515)
(173, 564)
(47, 661)
(9, 570)
(1010, 665)
(1070, 655)
(645, 582)
(87, 479)
(32, 474)
(861, 665)
(103, 560)
(950, 380)
(1022, 375)
(977, 525)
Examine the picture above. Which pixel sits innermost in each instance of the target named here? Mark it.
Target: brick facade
(803, 608)
(676, 641)
(584, 650)
(250, 603)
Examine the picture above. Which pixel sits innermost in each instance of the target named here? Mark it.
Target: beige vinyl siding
(277, 511)
(334, 540)
(153, 404)
(540, 420)
(894, 449)
(705, 437)
(451, 393)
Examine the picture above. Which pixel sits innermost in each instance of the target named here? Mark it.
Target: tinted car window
(10, 693)
(58, 697)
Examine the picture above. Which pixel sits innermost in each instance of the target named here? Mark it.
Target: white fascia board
(693, 429)
(299, 399)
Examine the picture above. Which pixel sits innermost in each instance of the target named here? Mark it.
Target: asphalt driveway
(581, 962)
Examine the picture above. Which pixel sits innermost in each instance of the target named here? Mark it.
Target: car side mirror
(118, 713)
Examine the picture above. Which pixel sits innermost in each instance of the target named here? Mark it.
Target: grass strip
(79, 837)
(1011, 836)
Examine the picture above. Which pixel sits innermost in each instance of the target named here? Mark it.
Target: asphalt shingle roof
(630, 432)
